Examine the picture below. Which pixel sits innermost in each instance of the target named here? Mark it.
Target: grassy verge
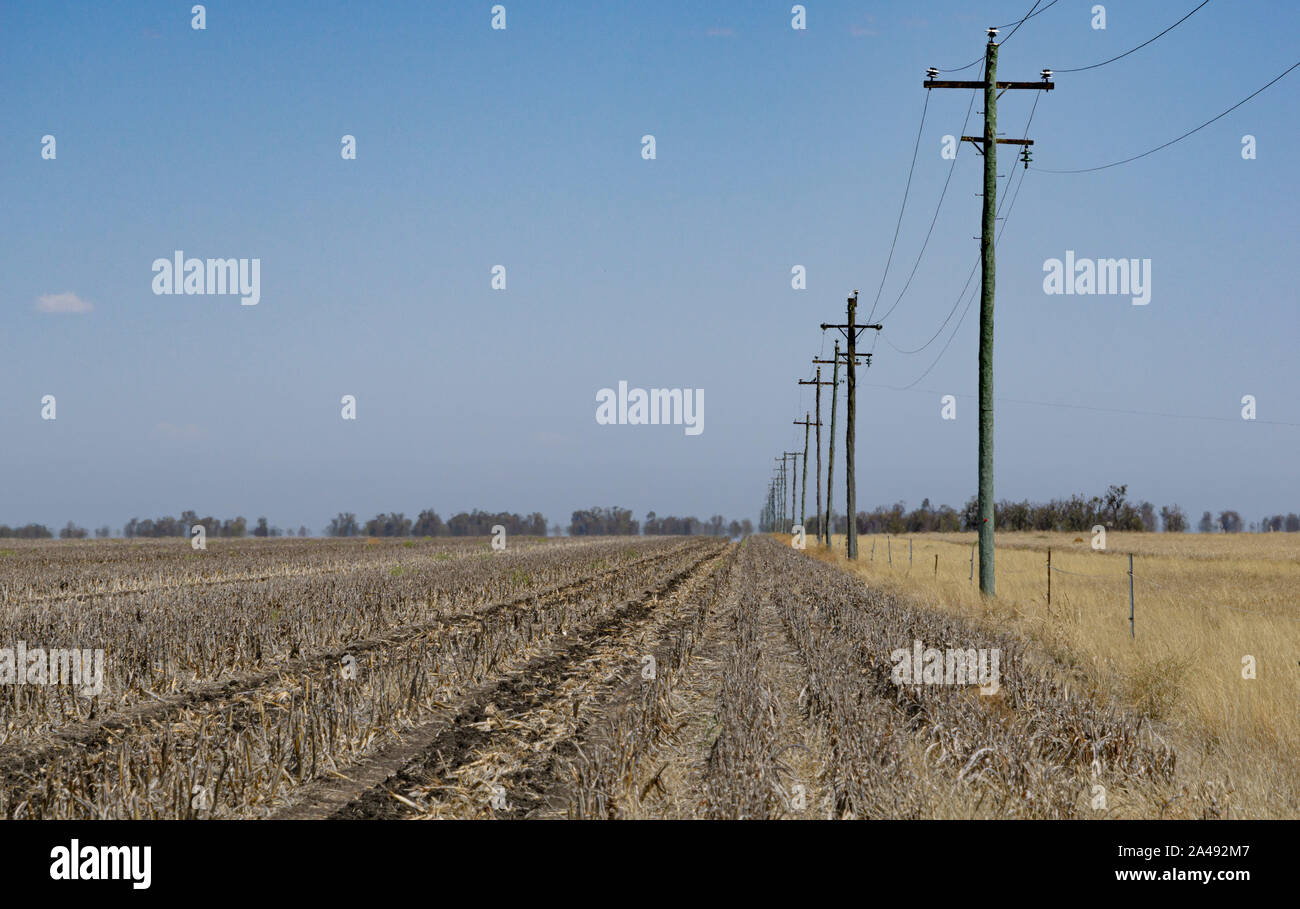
(1206, 607)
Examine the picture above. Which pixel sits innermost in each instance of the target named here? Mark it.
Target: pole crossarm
(980, 140)
(947, 83)
(844, 358)
(857, 332)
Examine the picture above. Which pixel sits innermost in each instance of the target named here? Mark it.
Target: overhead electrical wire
(962, 293)
(1085, 170)
(935, 219)
(906, 190)
(1031, 14)
(1079, 69)
(972, 296)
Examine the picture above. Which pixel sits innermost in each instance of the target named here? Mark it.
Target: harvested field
(607, 678)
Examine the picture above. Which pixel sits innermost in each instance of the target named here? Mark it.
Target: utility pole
(851, 330)
(794, 490)
(776, 500)
(817, 384)
(988, 146)
(769, 509)
(830, 467)
(830, 464)
(807, 424)
(779, 493)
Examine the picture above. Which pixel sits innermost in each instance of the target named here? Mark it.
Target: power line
(1080, 69)
(970, 276)
(1084, 170)
(1031, 14)
(903, 208)
(1022, 21)
(960, 295)
(973, 294)
(934, 220)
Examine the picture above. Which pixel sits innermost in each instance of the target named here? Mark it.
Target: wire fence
(1129, 577)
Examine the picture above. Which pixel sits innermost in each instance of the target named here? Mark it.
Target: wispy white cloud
(63, 303)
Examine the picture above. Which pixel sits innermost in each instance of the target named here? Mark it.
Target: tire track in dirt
(724, 716)
(633, 761)
(497, 755)
(766, 762)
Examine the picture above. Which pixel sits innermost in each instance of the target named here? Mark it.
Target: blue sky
(522, 147)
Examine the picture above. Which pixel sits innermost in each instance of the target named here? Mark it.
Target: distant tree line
(1289, 523)
(715, 526)
(428, 524)
(1231, 522)
(588, 522)
(26, 532)
(214, 527)
(603, 522)
(1077, 514)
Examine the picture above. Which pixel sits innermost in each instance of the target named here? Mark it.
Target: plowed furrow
(497, 755)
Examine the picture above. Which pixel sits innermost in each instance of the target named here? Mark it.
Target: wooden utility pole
(988, 146)
(783, 493)
(779, 483)
(807, 424)
(794, 490)
(817, 384)
(776, 503)
(830, 464)
(851, 330)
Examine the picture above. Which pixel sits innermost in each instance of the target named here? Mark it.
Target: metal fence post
(1132, 632)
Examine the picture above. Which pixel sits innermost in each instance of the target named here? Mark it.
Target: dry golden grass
(1203, 603)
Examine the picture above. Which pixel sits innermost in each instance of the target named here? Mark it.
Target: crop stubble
(517, 685)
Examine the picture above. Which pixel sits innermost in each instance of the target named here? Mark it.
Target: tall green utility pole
(988, 146)
(988, 266)
(851, 330)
